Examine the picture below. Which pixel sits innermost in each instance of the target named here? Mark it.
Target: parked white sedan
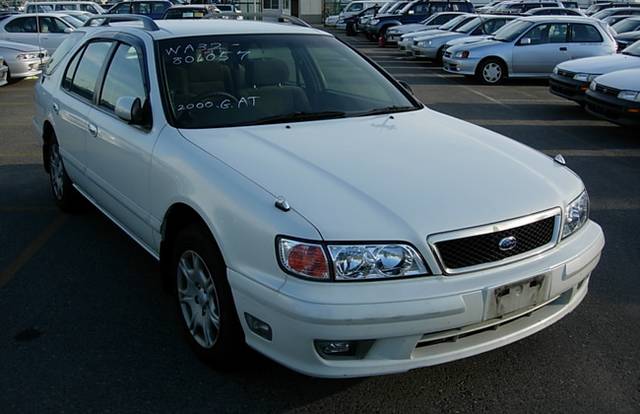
(300, 200)
(45, 30)
(23, 60)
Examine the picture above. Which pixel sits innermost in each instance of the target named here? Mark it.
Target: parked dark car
(154, 8)
(351, 22)
(193, 11)
(595, 8)
(414, 12)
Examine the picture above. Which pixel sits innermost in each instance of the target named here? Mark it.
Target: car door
(119, 153)
(21, 30)
(52, 32)
(585, 41)
(70, 108)
(539, 50)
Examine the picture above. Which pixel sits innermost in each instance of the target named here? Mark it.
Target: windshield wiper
(299, 116)
(386, 110)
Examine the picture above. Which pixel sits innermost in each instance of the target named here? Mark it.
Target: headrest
(267, 72)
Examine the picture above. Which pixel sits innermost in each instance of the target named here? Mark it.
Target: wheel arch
(493, 57)
(177, 217)
(48, 138)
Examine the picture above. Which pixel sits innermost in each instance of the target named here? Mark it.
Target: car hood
(407, 28)
(628, 79)
(20, 47)
(486, 43)
(442, 37)
(629, 36)
(468, 39)
(399, 177)
(601, 64)
(422, 33)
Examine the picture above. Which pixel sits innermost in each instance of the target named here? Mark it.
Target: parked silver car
(406, 40)
(630, 24)
(432, 46)
(23, 60)
(554, 11)
(46, 30)
(530, 47)
(616, 97)
(432, 22)
(571, 79)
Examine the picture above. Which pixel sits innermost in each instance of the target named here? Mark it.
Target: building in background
(308, 10)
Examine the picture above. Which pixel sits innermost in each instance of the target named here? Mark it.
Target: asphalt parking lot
(86, 325)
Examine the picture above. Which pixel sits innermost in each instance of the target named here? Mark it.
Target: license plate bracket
(517, 296)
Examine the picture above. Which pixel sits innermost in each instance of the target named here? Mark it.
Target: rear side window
(121, 9)
(124, 78)
(585, 33)
(441, 19)
(71, 70)
(62, 50)
(22, 25)
(88, 70)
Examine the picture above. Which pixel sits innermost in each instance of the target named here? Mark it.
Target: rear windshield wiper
(386, 110)
(299, 116)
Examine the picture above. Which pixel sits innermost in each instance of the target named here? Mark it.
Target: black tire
(491, 71)
(439, 56)
(229, 342)
(66, 197)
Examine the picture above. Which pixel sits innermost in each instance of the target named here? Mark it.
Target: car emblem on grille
(508, 243)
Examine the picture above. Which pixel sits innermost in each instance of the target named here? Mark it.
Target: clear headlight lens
(350, 262)
(592, 85)
(26, 56)
(462, 54)
(555, 70)
(377, 261)
(576, 214)
(629, 95)
(584, 77)
(374, 21)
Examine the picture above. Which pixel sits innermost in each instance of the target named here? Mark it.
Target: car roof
(169, 29)
(192, 6)
(43, 14)
(553, 18)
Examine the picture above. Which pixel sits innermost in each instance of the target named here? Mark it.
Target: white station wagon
(301, 201)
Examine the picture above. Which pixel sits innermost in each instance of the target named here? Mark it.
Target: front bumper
(460, 66)
(568, 88)
(399, 319)
(429, 52)
(26, 68)
(613, 109)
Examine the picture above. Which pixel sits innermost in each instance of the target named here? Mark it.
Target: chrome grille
(482, 247)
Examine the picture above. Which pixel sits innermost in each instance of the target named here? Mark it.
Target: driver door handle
(564, 49)
(93, 130)
(56, 108)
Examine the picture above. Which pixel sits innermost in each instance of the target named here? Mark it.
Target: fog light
(258, 327)
(336, 348)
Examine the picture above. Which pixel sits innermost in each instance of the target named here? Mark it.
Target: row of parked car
(587, 60)
(28, 38)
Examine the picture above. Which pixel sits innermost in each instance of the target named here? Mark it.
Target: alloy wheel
(492, 72)
(198, 299)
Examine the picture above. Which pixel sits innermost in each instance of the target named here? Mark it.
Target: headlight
(462, 54)
(350, 262)
(26, 56)
(555, 70)
(629, 95)
(592, 85)
(374, 21)
(576, 214)
(584, 77)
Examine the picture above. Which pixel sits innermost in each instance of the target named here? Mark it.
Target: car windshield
(602, 14)
(453, 23)
(469, 26)
(633, 50)
(73, 21)
(511, 31)
(626, 25)
(234, 80)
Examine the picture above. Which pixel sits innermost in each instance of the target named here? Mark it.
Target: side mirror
(68, 30)
(129, 109)
(406, 86)
(525, 41)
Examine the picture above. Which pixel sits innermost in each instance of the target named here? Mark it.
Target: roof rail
(147, 22)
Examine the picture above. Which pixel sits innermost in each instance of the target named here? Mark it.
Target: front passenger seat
(267, 78)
